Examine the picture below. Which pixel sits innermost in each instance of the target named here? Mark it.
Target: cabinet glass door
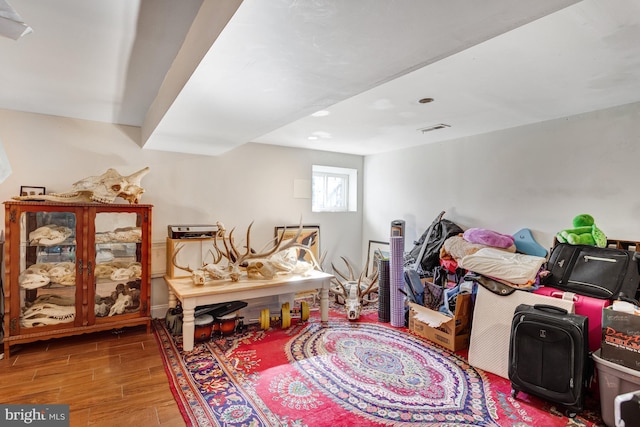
(47, 268)
(118, 268)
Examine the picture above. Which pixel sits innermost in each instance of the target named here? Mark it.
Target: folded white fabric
(515, 268)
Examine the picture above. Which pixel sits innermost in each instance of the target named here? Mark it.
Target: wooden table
(219, 291)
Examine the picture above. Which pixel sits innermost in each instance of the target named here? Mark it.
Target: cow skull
(104, 188)
(49, 235)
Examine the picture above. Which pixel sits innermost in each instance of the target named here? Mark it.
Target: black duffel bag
(425, 255)
(605, 273)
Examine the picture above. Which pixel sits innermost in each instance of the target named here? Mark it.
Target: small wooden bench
(219, 291)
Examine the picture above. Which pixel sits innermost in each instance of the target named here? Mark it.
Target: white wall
(251, 183)
(538, 176)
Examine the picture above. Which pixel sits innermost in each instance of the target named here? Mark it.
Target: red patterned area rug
(342, 373)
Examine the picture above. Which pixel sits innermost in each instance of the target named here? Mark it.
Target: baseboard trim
(159, 311)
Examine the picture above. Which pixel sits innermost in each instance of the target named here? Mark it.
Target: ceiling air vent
(434, 127)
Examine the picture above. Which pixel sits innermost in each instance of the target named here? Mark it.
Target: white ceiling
(206, 76)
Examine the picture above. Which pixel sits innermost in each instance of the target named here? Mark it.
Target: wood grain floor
(107, 378)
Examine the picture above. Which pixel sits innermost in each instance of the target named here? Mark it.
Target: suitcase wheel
(569, 413)
(514, 393)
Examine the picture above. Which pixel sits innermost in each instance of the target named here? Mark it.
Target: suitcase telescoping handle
(546, 307)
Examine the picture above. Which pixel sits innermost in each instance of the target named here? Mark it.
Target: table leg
(188, 325)
(173, 301)
(324, 302)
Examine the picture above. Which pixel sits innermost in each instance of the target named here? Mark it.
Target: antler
(351, 280)
(199, 276)
(336, 279)
(238, 257)
(248, 254)
(351, 277)
(175, 262)
(373, 286)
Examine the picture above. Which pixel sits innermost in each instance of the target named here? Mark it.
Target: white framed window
(334, 189)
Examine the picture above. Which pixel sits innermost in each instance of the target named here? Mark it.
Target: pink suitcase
(584, 305)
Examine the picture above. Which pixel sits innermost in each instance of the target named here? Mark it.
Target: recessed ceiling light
(322, 134)
(312, 138)
(320, 113)
(425, 100)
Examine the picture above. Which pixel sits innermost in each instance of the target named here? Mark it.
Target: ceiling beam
(211, 19)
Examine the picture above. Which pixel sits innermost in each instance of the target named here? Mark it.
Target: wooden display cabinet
(75, 268)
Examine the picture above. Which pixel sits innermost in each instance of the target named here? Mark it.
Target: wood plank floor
(107, 378)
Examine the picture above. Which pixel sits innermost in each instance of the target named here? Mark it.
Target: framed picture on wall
(26, 190)
(310, 236)
(377, 250)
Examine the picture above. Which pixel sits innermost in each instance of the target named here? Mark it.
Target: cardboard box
(426, 298)
(621, 338)
(450, 332)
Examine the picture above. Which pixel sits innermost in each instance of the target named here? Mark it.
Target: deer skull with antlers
(255, 265)
(354, 291)
(201, 275)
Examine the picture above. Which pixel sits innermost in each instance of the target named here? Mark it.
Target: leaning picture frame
(26, 190)
(377, 250)
(309, 235)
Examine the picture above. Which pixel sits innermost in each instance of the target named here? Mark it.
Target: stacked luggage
(550, 349)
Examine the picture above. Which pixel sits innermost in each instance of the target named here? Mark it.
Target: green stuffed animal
(584, 232)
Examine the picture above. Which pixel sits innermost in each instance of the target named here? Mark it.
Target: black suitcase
(549, 355)
(606, 273)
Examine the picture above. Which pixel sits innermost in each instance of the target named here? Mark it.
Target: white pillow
(519, 269)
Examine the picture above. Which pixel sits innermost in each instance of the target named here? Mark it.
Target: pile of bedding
(491, 254)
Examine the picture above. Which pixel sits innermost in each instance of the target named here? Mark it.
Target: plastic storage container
(613, 379)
